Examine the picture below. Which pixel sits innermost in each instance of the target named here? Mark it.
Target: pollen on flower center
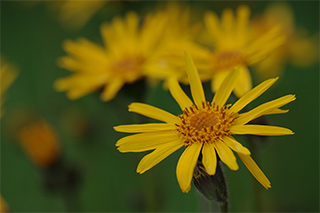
(128, 68)
(227, 59)
(204, 124)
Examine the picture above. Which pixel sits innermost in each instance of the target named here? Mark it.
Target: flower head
(299, 49)
(234, 46)
(204, 128)
(130, 52)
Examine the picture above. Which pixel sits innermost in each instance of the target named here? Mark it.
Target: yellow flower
(204, 128)
(299, 49)
(40, 143)
(75, 14)
(233, 46)
(130, 52)
(8, 74)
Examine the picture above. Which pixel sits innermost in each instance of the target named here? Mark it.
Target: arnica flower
(204, 128)
(130, 52)
(40, 143)
(75, 14)
(299, 49)
(8, 74)
(233, 46)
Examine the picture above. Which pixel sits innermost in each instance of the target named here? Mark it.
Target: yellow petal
(155, 157)
(243, 13)
(226, 155)
(211, 21)
(153, 112)
(227, 23)
(226, 87)
(177, 93)
(264, 108)
(252, 94)
(244, 84)
(133, 128)
(255, 170)
(145, 141)
(111, 89)
(195, 82)
(186, 164)
(260, 130)
(209, 158)
(218, 79)
(235, 145)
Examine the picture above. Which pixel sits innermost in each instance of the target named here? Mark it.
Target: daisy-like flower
(299, 49)
(233, 46)
(75, 14)
(131, 51)
(8, 74)
(204, 128)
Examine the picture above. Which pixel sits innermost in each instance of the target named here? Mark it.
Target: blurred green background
(31, 38)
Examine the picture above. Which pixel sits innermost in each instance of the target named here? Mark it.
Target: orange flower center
(128, 68)
(227, 59)
(204, 124)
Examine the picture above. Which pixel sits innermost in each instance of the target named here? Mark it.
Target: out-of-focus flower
(131, 51)
(8, 74)
(3, 206)
(202, 126)
(299, 49)
(40, 142)
(76, 14)
(234, 46)
(181, 33)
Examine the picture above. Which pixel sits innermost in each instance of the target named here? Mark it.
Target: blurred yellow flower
(234, 46)
(75, 14)
(40, 143)
(3, 205)
(299, 49)
(204, 128)
(8, 74)
(131, 51)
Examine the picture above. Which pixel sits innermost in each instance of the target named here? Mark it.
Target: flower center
(204, 124)
(128, 68)
(227, 59)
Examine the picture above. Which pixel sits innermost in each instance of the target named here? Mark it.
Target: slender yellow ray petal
(145, 141)
(209, 158)
(158, 155)
(266, 107)
(133, 128)
(276, 111)
(177, 93)
(227, 23)
(111, 89)
(217, 79)
(252, 95)
(195, 82)
(153, 112)
(235, 145)
(244, 84)
(186, 164)
(260, 130)
(226, 87)
(226, 155)
(211, 21)
(243, 13)
(255, 170)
